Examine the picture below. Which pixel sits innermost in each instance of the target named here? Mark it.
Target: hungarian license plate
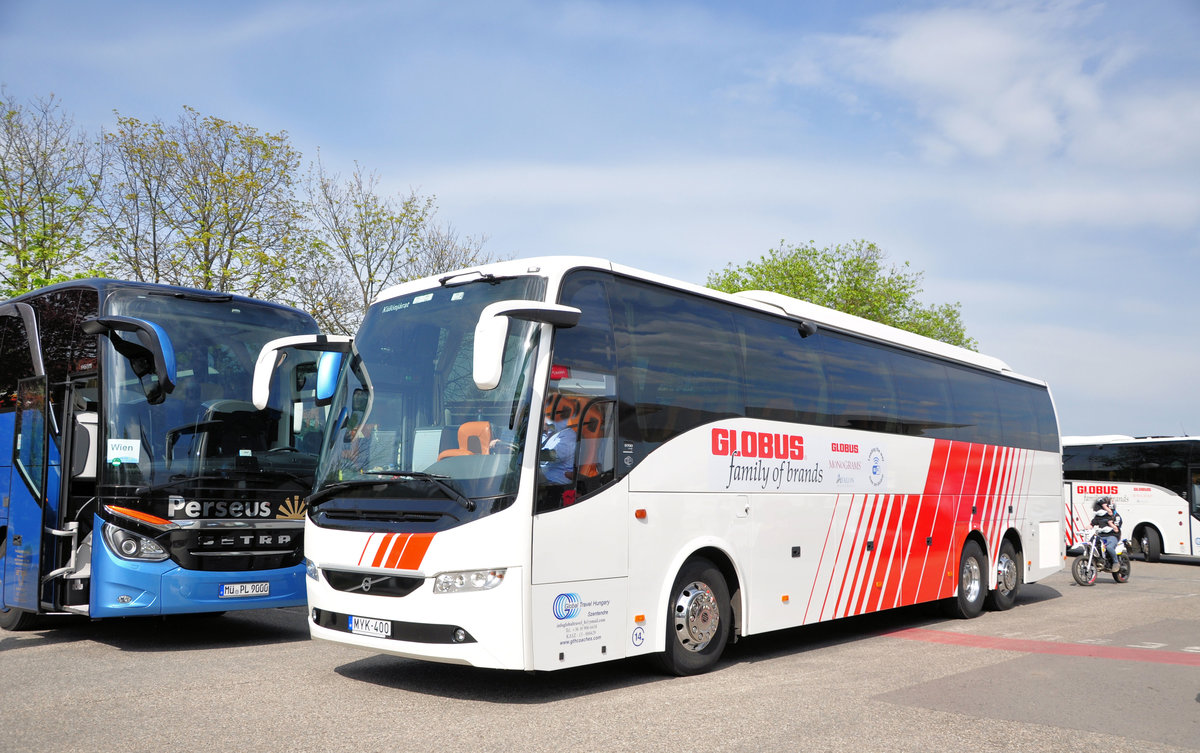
(238, 590)
(368, 626)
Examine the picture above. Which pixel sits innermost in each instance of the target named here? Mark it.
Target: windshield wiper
(436, 480)
(457, 279)
(320, 495)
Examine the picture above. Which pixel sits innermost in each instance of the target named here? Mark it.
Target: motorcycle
(1094, 560)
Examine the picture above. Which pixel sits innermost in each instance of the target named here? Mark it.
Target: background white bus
(741, 464)
(1155, 482)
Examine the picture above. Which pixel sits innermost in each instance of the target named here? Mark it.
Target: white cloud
(1008, 81)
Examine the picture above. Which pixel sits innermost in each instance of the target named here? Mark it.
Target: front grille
(245, 547)
(369, 583)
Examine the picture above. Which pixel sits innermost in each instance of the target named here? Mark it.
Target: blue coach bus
(136, 476)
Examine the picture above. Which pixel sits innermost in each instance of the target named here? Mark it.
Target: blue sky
(1039, 161)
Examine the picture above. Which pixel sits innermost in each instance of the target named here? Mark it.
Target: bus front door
(28, 496)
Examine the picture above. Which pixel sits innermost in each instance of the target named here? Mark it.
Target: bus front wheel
(698, 619)
(972, 583)
(12, 618)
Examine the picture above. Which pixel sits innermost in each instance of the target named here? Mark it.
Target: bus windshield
(207, 427)
(407, 420)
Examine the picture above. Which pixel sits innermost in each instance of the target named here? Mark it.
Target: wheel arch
(719, 556)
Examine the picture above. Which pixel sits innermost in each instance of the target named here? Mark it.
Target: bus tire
(1008, 579)
(15, 619)
(1151, 544)
(698, 619)
(972, 583)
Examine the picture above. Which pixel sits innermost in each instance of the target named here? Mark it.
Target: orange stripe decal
(398, 548)
(382, 550)
(418, 544)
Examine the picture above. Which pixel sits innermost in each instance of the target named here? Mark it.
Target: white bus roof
(1121, 439)
(760, 300)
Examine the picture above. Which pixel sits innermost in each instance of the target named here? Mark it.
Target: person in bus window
(1110, 529)
(557, 458)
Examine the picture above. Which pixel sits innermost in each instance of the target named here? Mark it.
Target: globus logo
(566, 606)
(1082, 489)
(757, 444)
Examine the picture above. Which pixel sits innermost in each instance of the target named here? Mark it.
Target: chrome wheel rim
(697, 616)
(1006, 574)
(971, 579)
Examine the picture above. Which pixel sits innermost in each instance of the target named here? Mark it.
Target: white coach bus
(721, 466)
(1154, 482)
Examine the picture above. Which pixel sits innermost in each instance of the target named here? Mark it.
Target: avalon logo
(566, 606)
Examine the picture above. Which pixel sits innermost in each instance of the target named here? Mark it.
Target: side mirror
(268, 360)
(155, 355)
(24, 312)
(328, 368)
(491, 333)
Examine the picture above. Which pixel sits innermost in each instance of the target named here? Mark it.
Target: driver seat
(473, 439)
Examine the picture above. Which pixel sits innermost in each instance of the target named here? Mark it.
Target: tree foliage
(49, 178)
(361, 242)
(854, 278)
(203, 202)
(208, 203)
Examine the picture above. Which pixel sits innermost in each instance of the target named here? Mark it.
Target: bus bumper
(121, 588)
(423, 625)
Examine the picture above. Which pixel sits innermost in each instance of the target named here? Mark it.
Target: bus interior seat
(474, 438)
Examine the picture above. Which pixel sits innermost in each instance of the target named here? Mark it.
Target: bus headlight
(132, 546)
(310, 568)
(467, 580)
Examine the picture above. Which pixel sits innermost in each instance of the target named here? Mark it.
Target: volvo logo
(366, 585)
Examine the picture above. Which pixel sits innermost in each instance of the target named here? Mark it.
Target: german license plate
(239, 590)
(368, 626)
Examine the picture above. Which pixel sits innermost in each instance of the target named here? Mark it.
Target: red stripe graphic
(821, 559)
(402, 551)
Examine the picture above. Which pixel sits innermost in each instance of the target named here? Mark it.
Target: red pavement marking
(1120, 653)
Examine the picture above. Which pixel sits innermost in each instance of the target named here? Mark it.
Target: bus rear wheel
(1151, 544)
(1008, 579)
(698, 619)
(972, 583)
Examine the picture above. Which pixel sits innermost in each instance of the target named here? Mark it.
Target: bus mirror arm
(264, 367)
(491, 333)
(155, 354)
(807, 329)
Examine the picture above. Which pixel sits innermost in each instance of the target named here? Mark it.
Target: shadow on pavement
(510, 687)
(184, 632)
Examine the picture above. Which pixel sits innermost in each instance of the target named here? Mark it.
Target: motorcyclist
(1110, 528)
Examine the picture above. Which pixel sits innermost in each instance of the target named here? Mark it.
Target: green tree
(360, 242)
(49, 179)
(203, 202)
(853, 278)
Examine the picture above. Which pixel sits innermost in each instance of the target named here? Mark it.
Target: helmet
(1101, 503)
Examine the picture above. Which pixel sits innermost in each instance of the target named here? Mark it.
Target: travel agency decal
(579, 620)
(772, 461)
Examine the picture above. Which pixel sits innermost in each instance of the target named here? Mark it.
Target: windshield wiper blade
(322, 494)
(436, 480)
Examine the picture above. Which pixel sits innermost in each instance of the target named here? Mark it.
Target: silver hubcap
(970, 579)
(1006, 574)
(696, 616)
